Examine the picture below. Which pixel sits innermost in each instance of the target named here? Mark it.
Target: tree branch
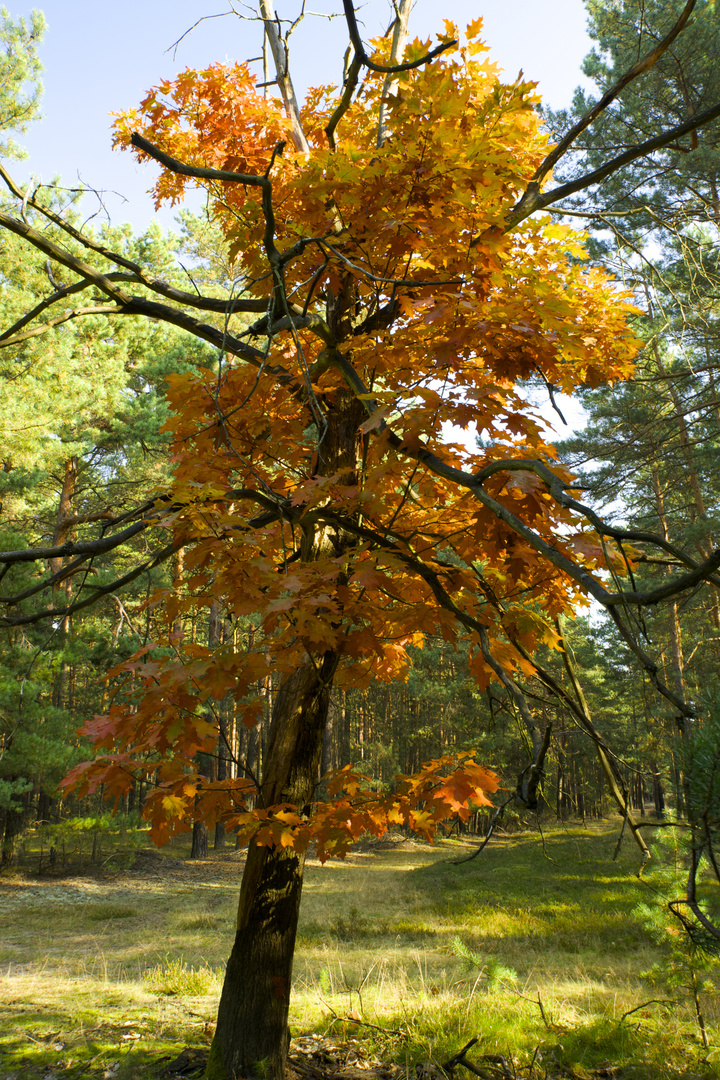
(385, 69)
(280, 57)
(647, 61)
(98, 592)
(351, 82)
(532, 200)
(556, 487)
(78, 547)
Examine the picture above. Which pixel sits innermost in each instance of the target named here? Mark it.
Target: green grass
(176, 979)
(538, 955)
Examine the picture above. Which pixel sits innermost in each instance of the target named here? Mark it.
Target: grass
(175, 979)
(535, 950)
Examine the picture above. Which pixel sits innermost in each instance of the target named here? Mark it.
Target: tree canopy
(388, 274)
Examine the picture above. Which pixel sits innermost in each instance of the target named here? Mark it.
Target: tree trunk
(11, 831)
(658, 796)
(326, 761)
(252, 1035)
(199, 849)
(44, 807)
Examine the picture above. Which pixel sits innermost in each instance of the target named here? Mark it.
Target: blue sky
(100, 57)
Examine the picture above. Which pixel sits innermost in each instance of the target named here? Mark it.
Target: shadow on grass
(50, 1042)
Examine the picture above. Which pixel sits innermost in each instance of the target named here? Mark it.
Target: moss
(215, 1069)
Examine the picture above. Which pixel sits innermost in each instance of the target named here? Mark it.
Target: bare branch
(137, 274)
(224, 175)
(385, 69)
(98, 592)
(532, 200)
(351, 81)
(80, 547)
(66, 571)
(280, 56)
(609, 96)
(203, 18)
(8, 338)
(138, 305)
(397, 51)
(180, 167)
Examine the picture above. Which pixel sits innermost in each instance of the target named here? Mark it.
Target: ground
(403, 957)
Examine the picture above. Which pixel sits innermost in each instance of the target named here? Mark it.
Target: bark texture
(252, 1035)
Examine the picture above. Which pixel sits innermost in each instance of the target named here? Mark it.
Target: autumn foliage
(397, 303)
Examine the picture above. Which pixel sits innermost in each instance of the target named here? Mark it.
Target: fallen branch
(375, 1027)
(448, 1066)
(666, 1002)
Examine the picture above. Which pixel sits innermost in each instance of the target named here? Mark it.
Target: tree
(20, 83)
(656, 437)
(400, 282)
(677, 181)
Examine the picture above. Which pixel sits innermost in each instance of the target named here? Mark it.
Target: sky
(101, 58)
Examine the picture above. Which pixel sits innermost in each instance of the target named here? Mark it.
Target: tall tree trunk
(326, 761)
(658, 795)
(252, 1017)
(252, 1022)
(199, 847)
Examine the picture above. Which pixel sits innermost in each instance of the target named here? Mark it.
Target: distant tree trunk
(326, 762)
(44, 807)
(11, 831)
(658, 796)
(221, 770)
(215, 638)
(199, 849)
(679, 786)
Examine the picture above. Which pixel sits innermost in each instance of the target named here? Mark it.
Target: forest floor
(403, 957)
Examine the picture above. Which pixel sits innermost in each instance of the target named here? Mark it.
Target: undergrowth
(539, 953)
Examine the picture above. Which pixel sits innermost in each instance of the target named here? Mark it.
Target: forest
(309, 592)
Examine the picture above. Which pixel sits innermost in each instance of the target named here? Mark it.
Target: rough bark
(252, 1035)
(199, 848)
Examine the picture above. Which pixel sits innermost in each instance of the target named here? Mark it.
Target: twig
(667, 1002)
(545, 1020)
(550, 1026)
(375, 1027)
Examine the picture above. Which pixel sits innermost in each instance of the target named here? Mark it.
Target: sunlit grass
(541, 956)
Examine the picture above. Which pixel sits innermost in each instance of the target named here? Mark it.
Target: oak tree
(397, 280)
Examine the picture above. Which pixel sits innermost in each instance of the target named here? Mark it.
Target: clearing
(402, 958)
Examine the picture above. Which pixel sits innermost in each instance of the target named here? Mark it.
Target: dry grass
(93, 972)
